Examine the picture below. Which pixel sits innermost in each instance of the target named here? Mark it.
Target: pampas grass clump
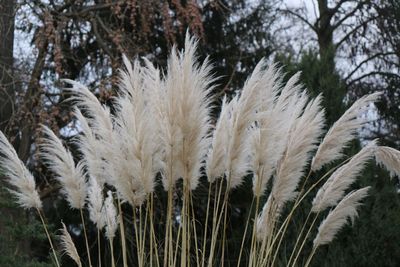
(160, 133)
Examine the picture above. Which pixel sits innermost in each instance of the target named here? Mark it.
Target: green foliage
(20, 231)
(319, 78)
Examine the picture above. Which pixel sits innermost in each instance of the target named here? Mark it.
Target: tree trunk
(7, 93)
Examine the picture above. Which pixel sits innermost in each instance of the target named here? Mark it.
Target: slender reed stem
(217, 197)
(140, 230)
(112, 253)
(289, 217)
(245, 233)
(99, 247)
(136, 235)
(153, 236)
(305, 239)
(48, 237)
(224, 234)
(86, 239)
(310, 257)
(216, 223)
(144, 233)
(206, 227)
(122, 231)
(194, 232)
(298, 238)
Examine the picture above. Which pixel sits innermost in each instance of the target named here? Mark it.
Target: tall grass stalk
(48, 237)
(86, 238)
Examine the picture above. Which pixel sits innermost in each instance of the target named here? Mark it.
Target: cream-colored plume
(269, 134)
(182, 103)
(109, 213)
(302, 138)
(215, 163)
(60, 161)
(136, 134)
(334, 188)
(98, 140)
(92, 150)
(95, 202)
(337, 218)
(389, 158)
(68, 246)
(19, 177)
(301, 142)
(244, 114)
(342, 132)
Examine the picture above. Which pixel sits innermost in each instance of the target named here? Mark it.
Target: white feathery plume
(92, 150)
(291, 88)
(334, 188)
(342, 132)
(215, 163)
(337, 218)
(389, 158)
(244, 114)
(183, 112)
(99, 119)
(61, 163)
(18, 176)
(136, 133)
(109, 213)
(302, 140)
(98, 115)
(95, 202)
(268, 135)
(266, 219)
(68, 246)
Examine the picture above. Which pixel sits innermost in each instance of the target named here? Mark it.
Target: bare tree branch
(372, 73)
(348, 15)
(351, 32)
(290, 12)
(366, 61)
